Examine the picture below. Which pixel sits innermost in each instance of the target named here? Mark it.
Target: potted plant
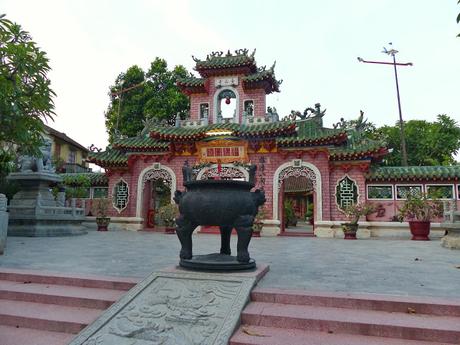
(352, 214)
(309, 214)
(167, 215)
(100, 207)
(290, 219)
(419, 210)
(258, 222)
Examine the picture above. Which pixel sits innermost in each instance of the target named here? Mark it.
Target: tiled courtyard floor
(382, 266)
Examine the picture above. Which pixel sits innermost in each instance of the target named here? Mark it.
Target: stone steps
(299, 317)
(50, 308)
(390, 303)
(48, 317)
(43, 277)
(12, 335)
(259, 335)
(59, 294)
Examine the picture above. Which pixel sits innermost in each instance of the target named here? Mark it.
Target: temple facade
(308, 171)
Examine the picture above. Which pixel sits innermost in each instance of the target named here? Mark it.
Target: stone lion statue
(38, 164)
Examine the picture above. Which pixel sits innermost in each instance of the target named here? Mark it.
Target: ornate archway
(230, 93)
(152, 173)
(297, 169)
(227, 171)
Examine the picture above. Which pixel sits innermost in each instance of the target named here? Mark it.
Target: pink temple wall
(329, 180)
(257, 95)
(355, 174)
(392, 206)
(272, 162)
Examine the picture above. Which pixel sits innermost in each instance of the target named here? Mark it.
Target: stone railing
(71, 211)
(221, 119)
(192, 123)
(268, 118)
(451, 214)
(56, 211)
(452, 225)
(3, 222)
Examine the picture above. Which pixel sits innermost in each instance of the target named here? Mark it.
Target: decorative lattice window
(346, 192)
(403, 191)
(204, 110)
(375, 192)
(120, 195)
(249, 107)
(100, 192)
(440, 191)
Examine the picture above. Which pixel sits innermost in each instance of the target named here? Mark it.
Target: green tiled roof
(327, 137)
(259, 76)
(141, 144)
(110, 157)
(343, 144)
(191, 81)
(264, 75)
(253, 130)
(96, 179)
(365, 150)
(451, 172)
(310, 132)
(220, 60)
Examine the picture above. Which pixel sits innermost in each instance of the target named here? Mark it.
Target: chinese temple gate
(304, 168)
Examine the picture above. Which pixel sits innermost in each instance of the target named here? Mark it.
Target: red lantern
(227, 100)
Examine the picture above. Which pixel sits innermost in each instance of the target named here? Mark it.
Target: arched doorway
(156, 188)
(226, 105)
(299, 184)
(298, 204)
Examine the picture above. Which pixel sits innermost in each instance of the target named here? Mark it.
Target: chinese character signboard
(223, 151)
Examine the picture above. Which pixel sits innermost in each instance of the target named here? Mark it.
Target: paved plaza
(382, 266)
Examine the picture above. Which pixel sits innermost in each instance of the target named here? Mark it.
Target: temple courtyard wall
(327, 221)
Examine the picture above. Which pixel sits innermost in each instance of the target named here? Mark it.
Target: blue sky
(315, 43)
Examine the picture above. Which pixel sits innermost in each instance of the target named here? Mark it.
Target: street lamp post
(392, 52)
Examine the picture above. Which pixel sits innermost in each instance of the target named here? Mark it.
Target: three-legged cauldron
(226, 203)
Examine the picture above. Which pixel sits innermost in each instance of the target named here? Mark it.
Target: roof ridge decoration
(150, 123)
(356, 137)
(220, 54)
(314, 114)
(217, 62)
(241, 62)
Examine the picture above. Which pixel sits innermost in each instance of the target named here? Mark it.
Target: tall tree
(428, 143)
(139, 95)
(25, 93)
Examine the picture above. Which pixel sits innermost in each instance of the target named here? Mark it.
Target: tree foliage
(77, 186)
(25, 93)
(145, 95)
(428, 143)
(25, 98)
(458, 17)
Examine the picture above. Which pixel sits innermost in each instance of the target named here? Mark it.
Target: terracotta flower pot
(102, 223)
(170, 229)
(257, 228)
(419, 230)
(349, 230)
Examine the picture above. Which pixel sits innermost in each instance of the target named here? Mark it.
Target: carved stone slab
(173, 309)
